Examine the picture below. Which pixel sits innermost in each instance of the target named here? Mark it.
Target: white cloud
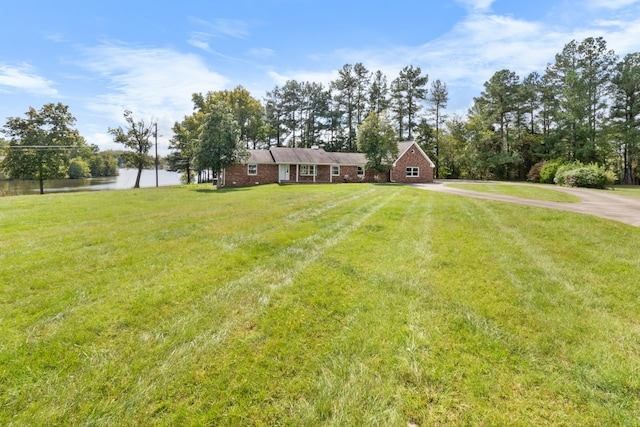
(25, 79)
(220, 28)
(484, 43)
(231, 28)
(199, 43)
(155, 84)
(102, 140)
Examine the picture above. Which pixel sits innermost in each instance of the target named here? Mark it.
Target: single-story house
(286, 165)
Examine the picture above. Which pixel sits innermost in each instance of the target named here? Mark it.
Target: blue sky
(101, 58)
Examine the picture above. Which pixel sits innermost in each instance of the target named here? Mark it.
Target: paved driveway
(594, 202)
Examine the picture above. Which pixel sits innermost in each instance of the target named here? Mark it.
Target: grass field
(314, 305)
(627, 190)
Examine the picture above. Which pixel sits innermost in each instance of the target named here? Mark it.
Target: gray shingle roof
(286, 155)
(260, 157)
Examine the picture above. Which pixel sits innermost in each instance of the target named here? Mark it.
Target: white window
(335, 170)
(252, 169)
(360, 171)
(307, 170)
(413, 171)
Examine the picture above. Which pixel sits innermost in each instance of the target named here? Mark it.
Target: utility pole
(156, 135)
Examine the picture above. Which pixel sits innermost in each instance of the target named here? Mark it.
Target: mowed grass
(529, 191)
(314, 305)
(627, 190)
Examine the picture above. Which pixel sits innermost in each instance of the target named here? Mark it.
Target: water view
(125, 180)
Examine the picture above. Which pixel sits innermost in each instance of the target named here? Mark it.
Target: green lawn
(627, 190)
(314, 305)
(535, 192)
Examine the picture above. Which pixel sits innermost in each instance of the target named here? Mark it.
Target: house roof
(351, 159)
(287, 155)
(260, 156)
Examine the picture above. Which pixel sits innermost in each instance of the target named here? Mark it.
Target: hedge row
(574, 174)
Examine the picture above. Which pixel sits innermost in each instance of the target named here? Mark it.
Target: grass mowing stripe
(313, 247)
(241, 294)
(346, 296)
(557, 324)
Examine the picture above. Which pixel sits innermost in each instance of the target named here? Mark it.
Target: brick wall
(236, 176)
(412, 158)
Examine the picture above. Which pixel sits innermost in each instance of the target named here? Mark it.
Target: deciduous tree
(183, 143)
(246, 110)
(136, 136)
(377, 140)
(39, 144)
(219, 144)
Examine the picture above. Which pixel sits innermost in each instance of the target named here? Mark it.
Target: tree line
(45, 145)
(307, 114)
(584, 108)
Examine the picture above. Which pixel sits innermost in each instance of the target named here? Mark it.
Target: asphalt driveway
(594, 202)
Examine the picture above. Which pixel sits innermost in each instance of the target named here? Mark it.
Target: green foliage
(626, 116)
(246, 110)
(78, 168)
(408, 90)
(100, 163)
(39, 145)
(184, 143)
(3, 146)
(104, 164)
(549, 170)
(589, 176)
(377, 140)
(219, 145)
(136, 136)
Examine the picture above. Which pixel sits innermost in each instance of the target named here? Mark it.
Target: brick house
(285, 165)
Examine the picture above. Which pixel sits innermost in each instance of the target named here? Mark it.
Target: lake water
(126, 179)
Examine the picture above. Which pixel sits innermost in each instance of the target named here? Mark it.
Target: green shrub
(561, 172)
(588, 176)
(549, 170)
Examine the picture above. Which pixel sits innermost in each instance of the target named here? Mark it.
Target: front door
(284, 173)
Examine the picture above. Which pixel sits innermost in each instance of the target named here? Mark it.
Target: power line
(38, 147)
